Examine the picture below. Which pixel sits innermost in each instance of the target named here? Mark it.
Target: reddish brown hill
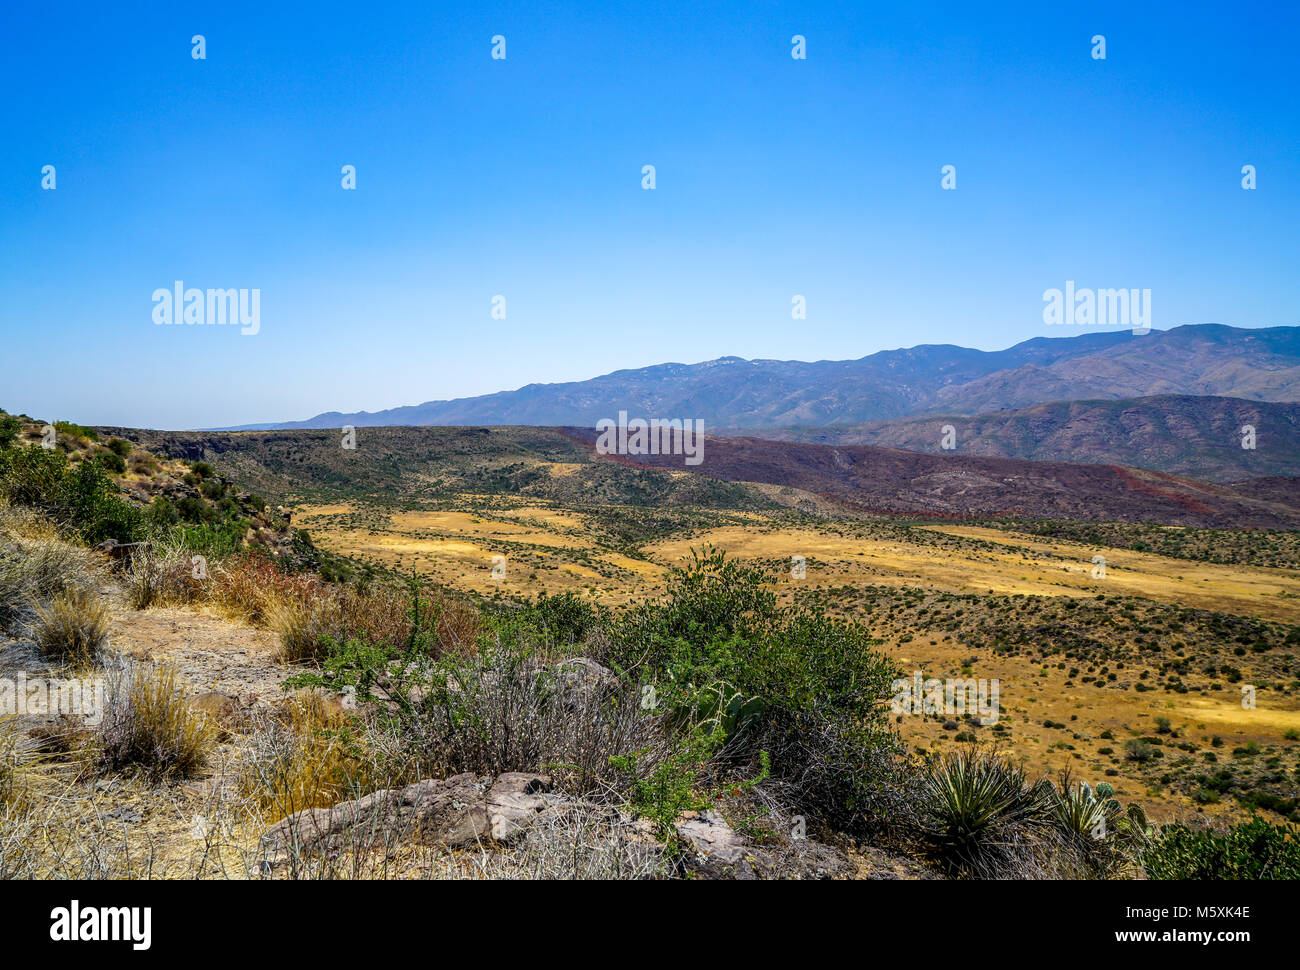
(889, 480)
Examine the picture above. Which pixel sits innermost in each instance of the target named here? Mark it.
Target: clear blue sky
(522, 177)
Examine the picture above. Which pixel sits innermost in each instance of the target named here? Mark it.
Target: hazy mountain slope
(1257, 365)
(1199, 437)
(735, 393)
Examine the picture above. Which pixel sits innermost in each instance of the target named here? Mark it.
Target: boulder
(492, 812)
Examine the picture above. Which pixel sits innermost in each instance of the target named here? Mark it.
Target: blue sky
(522, 177)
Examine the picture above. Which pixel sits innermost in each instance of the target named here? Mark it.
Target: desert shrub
(565, 617)
(90, 503)
(1139, 750)
(663, 789)
(213, 539)
(307, 627)
(112, 461)
(807, 689)
(1250, 850)
(191, 508)
(119, 446)
(251, 588)
(31, 476)
(305, 755)
(148, 724)
(317, 617)
(82, 497)
(73, 627)
(9, 429)
(509, 704)
(67, 429)
(162, 513)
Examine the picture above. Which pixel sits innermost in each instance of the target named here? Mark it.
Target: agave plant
(976, 803)
(1082, 813)
(1101, 831)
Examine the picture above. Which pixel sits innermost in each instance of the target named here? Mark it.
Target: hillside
(561, 465)
(1197, 437)
(1256, 365)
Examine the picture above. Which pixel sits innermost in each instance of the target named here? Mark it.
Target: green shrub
(1250, 850)
(9, 428)
(813, 687)
(67, 429)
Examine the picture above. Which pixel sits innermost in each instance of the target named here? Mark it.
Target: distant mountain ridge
(1202, 359)
(1196, 437)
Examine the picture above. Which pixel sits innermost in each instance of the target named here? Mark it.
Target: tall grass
(148, 723)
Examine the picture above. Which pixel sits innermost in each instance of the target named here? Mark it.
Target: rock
(708, 835)
(459, 811)
(717, 851)
(512, 802)
(468, 810)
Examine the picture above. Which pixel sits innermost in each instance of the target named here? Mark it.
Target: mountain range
(1196, 437)
(730, 392)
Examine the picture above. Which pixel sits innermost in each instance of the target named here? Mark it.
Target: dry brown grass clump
(20, 775)
(251, 590)
(163, 576)
(149, 724)
(308, 625)
(306, 628)
(73, 627)
(36, 564)
(306, 755)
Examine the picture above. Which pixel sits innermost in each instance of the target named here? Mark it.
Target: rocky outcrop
(492, 813)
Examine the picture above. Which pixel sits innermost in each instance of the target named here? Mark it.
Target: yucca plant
(978, 808)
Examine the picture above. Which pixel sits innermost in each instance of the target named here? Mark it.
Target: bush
(112, 461)
(1251, 850)
(73, 628)
(808, 690)
(148, 724)
(119, 447)
(9, 429)
(83, 497)
(1141, 751)
(162, 512)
